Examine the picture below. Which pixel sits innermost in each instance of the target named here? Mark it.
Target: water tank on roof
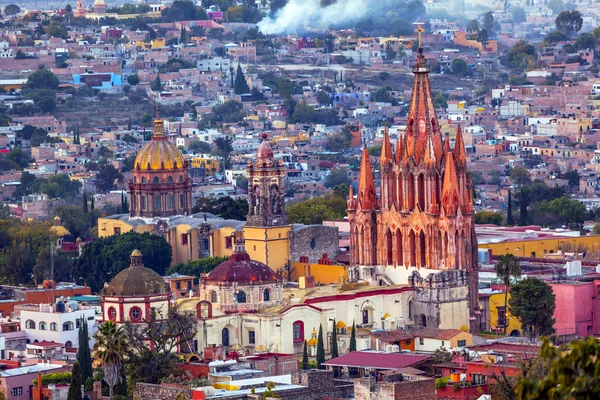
(73, 305)
(60, 307)
(395, 348)
(388, 348)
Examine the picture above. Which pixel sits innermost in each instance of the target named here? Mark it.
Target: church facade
(420, 229)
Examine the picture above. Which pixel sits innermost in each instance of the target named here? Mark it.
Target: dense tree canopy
(224, 207)
(240, 86)
(315, 211)
(533, 303)
(569, 22)
(520, 55)
(197, 267)
(42, 79)
(105, 257)
(489, 217)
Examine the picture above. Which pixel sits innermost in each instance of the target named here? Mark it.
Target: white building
(58, 323)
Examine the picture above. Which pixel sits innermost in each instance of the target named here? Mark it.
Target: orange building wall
(323, 274)
(461, 39)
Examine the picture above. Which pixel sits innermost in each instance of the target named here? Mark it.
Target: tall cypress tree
(183, 35)
(305, 357)
(353, 338)
(334, 342)
(122, 203)
(320, 349)
(85, 204)
(240, 86)
(75, 386)
(92, 203)
(84, 357)
(523, 204)
(509, 216)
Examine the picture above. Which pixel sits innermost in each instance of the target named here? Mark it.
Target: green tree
(84, 357)
(352, 346)
(569, 22)
(520, 56)
(56, 30)
(323, 98)
(157, 84)
(507, 266)
(68, 9)
(106, 176)
(85, 202)
(284, 87)
(337, 177)
(240, 86)
(12, 9)
(473, 26)
(151, 350)
(339, 141)
(199, 147)
(390, 53)
(305, 357)
(518, 14)
(585, 41)
(555, 37)
(382, 95)
(133, 80)
(533, 303)
(572, 374)
(230, 111)
(320, 349)
(303, 113)
(42, 79)
(520, 176)
(334, 341)
(488, 217)
(556, 6)
(509, 215)
(197, 267)
(110, 347)
(316, 210)
(341, 190)
(460, 67)
(75, 384)
(224, 207)
(105, 257)
(488, 22)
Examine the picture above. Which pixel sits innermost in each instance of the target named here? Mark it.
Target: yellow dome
(59, 230)
(159, 153)
(136, 253)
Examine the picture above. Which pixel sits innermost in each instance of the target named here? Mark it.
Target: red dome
(265, 150)
(241, 269)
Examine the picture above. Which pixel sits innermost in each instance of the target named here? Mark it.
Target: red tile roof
(367, 359)
(46, 344)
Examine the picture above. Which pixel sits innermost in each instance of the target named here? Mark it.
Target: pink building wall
(576, 304)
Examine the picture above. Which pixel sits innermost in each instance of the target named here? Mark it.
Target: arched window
(42, 326)
(241, 296)
(135, 314)
(180, 178)
(53, 326)
(169, 179)
(68, 326)
(204, 310)
(143, 179)
(156, 180)
(30, 324)
(225, 337)
(135, 179)
(68, 343)
(298, 331)
(19, 347)
(213, 297)
(112, 313)
(267, 295)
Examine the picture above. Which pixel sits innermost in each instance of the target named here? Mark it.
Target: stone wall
(313, 241)
(147, 391)
(410, 388)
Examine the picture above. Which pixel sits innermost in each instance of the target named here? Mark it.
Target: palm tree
(110, 347)
(507, 266)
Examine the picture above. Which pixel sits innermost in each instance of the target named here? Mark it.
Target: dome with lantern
(161, 186)
(242, 284)
(133, 292)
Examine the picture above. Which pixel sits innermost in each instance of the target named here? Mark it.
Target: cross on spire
(419, 31)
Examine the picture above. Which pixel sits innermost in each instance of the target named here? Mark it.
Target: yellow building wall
(542, 248)
(497, 300)
(270, 246)
(218, 242)
(106, 227)
(13, 87)
(323, 274)
(466, 336)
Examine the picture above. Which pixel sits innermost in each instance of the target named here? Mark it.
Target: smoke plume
(299, 16)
